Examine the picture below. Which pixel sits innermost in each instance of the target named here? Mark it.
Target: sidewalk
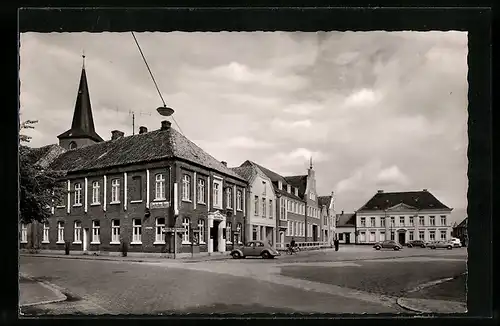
(32, 292)
(433, 306)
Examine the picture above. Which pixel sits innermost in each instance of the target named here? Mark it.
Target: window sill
(229, 207)
(229, 242)
(60, 242)
(136, 201)
(77, 205)
(159, 199)
(159, 242)
(239, 210)
(203, 243)
(115, 203)
(95, 204)
(60, 206)
(114, 243)
(201, 203)
(187, 200)
(24, 241)
(45, 242)
(95, 242)
(136, 243)
(186, 242)
(77, 242)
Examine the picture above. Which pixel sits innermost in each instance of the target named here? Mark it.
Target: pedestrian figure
(336, 243)
(292, 245)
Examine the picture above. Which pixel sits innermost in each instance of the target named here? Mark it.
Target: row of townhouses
(400, 216)
(158, 192)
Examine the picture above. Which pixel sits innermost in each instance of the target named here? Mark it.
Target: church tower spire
(82, 130)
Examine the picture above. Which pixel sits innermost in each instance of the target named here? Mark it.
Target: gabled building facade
(403, 216)
(328, 218)
(346, 227)
(261, 204)
(154, 191)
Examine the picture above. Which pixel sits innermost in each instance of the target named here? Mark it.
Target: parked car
(440, 244)
(456, 242)
(255, 248)
(388, 244)
(416, 243)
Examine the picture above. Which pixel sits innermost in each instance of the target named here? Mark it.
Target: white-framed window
(46, 230)
(432, 235)
(256, 205)
(229, 238)
(410, 235)
(421, 235)
(229, 197)
(115, 191)
(282, 210)
(382, 222)
(24, 233)
(280, 185)
(201, 191)
(363, 221)
(115, 231)
(443, 220)
(296, 191)
(60, 232)
(412, 221)
(160, 186)
(263, 207)
(382, 236)
(292, 231)
(271, 208)
(186, 187)
(372, 221)
(287, 228)
(96, 231)
(160, 225)
(264, 188)
(432, 220)
(201, 228)
(239, 200)
(137, 230)
(77, 236)
(217, 194)
(401, 220)
(238, 229)
(393, 221)
(78, 194)
(362, 236)
(443, 235)
(288, 188)
(421, 220)
(372, 236)
(185, 225)
(95, 192)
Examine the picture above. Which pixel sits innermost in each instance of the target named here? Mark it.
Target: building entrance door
(215, 235)
(347, 238)
(85, 239)
(401, 238)
(315, 233)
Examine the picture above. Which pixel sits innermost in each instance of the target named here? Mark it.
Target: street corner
(432, 306)
(33, 292)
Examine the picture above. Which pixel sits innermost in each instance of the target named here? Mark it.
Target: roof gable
(298, 181)
(401, 207)
(420, 200)
(141, 148)
(324, 200)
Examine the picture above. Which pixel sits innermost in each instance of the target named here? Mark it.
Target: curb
(401, 303)
(47, 285)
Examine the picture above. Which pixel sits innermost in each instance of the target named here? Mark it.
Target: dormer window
(280, 185)
(288, 188)
(296, 190)
(72, 145)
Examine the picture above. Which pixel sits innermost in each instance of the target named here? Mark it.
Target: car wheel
(433, 247)
(236, 255)
(377, 248)
(265, 255)
(396, 248)
(423, 246)
(450, 247)
(410, 246)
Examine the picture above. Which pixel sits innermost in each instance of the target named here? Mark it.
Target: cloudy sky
(375, 110)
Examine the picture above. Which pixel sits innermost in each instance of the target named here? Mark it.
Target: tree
(40, 187)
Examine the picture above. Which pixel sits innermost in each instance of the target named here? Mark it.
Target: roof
(141, 148)
(418, 199)
(83, 122)
(246, 172)
(346, 220)
(324, 200)
(298, 181)
(274, 177)
(463, 224)
(43, 156)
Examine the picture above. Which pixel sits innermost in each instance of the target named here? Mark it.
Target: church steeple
(82, 130)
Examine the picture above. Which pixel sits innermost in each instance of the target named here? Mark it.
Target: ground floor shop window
(341, 236)
(372, 236)
(362, 237)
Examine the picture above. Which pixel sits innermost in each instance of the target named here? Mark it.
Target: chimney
(115, 134)
(143, 130)
(425, 190)
(224, 163)
(165, 125)
(380, 191)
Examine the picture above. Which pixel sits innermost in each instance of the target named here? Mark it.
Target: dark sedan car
(388, 244)
(255, 248)
(416, 243)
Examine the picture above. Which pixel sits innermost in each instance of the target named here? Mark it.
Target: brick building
(140, 190)
(403, 216)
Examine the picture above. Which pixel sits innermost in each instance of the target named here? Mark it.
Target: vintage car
(416, 243)
(440, 244)
(388, 244)
(456, 242)
(255, 248)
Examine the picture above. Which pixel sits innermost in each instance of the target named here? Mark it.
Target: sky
(374, 110)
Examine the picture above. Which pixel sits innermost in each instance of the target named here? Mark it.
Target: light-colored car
(255, 248)
(456, 242)
(388, 244)
(440, 244)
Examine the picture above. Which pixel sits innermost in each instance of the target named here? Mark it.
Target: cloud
(283, 124)
(298, 156)
(363, 97)
(392, 176)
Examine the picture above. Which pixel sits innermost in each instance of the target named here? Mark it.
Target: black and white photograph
(243, 172)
